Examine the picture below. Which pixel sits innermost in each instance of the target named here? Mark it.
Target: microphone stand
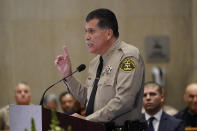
(42, 99)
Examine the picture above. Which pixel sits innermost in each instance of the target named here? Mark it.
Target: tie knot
(151, 119)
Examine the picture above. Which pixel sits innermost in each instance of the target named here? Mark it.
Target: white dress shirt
(156, 121)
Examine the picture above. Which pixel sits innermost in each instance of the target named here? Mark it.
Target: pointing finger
(66, 52)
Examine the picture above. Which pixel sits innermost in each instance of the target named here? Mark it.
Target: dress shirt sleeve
(77, 90)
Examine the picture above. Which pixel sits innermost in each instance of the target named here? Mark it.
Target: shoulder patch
(127, 65)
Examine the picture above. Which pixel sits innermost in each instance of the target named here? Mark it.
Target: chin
(194, 109)
(90, 51)
(149, 108)
(93, 52)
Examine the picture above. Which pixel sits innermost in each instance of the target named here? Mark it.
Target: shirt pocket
(106, 89)
(107, 80)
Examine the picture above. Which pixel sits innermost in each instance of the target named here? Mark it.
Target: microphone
(79, 69)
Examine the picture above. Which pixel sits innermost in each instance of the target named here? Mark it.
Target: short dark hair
(63, 94)
(107, 19)
(152, 84)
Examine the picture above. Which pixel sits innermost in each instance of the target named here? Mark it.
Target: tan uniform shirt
(4, 118)
(120, 88)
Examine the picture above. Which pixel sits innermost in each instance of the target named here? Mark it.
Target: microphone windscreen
(81, 67)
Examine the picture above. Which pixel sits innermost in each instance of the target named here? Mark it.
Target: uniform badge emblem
(108, 69)
(127, 65)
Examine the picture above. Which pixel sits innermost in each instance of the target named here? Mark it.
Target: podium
(20, 118)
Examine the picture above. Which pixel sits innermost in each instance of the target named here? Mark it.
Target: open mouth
(90, 44)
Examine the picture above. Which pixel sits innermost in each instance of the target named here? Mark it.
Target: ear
(109, 34)
(162, 98)
(163, 95)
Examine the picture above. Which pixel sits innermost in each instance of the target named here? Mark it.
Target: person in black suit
(189, 113)
(158, 120)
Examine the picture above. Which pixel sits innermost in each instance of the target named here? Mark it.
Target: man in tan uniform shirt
(120, 87)
(22, 97)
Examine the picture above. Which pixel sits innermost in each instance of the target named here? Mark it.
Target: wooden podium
(20, 118)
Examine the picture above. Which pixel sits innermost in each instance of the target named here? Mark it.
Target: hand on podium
(63, 64)
(78, 116)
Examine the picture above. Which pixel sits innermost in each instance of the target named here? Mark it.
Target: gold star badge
(127, 65)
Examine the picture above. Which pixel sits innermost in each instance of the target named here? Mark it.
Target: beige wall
(33, 32)
(194, 27)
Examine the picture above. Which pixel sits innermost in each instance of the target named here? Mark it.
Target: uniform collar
(157, 116)
(112, 48)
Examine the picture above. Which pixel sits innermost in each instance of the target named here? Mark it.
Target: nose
(195, 99)
(23, 93)
(147, 97)
(87, 36)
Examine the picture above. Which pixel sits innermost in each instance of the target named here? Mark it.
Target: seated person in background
(22, 97)
(157, 119)
(68, 104)
(189, 113)
(166, 108)
(50, 102)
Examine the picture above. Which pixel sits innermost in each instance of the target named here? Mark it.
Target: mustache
(87, 42)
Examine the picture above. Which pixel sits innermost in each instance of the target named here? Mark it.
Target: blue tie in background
(150, 125)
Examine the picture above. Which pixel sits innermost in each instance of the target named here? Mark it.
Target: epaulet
(129, 50)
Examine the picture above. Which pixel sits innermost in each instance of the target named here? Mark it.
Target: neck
(192, 111)
(22, 103)
(153, 112)
(109, 43)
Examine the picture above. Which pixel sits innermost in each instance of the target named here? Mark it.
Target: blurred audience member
(158, 120)
(189, 113)
(166, 108)
(22, 96)
(68, 104)
(51, 102)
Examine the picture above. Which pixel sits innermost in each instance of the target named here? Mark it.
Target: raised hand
(63, 64)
